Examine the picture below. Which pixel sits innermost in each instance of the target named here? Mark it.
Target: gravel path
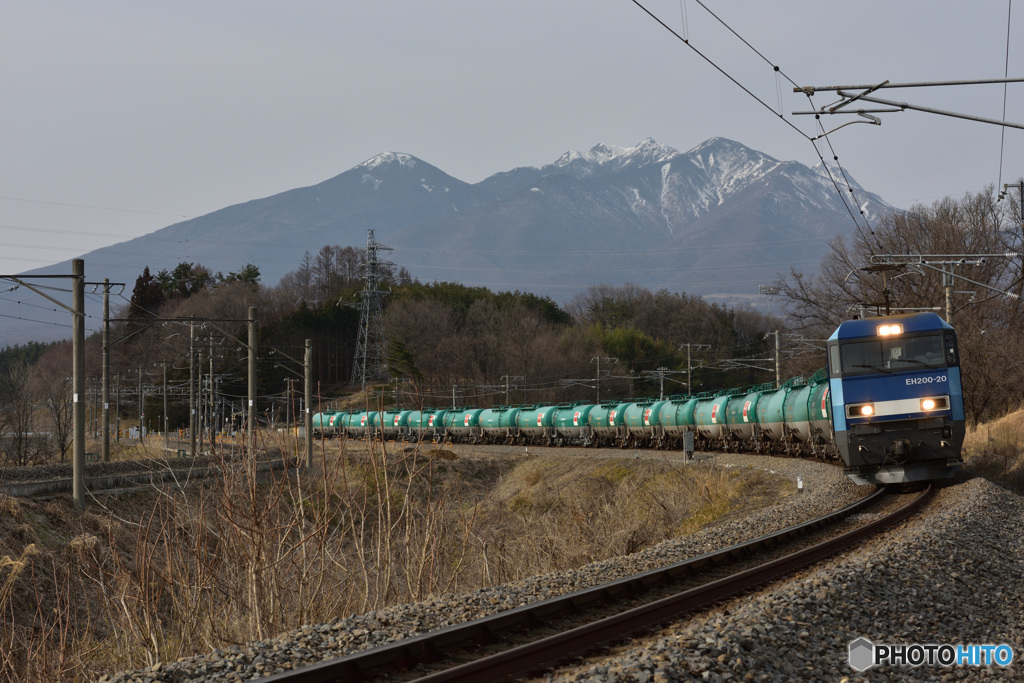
(825, 489)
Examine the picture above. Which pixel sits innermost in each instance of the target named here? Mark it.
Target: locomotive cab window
(897, 354)
(833, 359)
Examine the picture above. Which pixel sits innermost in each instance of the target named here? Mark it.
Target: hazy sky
(119, 118)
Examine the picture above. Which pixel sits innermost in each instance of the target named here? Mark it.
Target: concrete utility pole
(166, 436)
(598, 383)
(78, 379)
(661, 373)
(778, 361)
(77, 310)
(288, 421)
(507, 378)
(142, 411)
(95, 394)
(689, 364)
(105, 449)
(308, 381)
(192, 386)
(251, 433)
(306, 403)
(211, 424)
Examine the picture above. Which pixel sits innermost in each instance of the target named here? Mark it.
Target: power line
(778, 72)
(90, 206)
(1006, 74)
(835, 157)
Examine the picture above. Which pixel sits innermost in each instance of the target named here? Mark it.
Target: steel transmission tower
(371, 362)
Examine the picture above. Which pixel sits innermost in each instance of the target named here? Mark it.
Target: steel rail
(177, 472)
(559, 647)
(367, 664)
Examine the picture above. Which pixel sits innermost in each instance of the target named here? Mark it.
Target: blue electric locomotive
(897, 404)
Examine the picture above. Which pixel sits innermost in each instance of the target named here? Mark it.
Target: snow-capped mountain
(604, 158)
(716, 220)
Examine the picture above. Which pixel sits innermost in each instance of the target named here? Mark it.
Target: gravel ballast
(950, 574)
(825, 488)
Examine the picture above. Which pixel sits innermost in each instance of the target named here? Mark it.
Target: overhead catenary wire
(1006, 74)
(835, 157)
(29, 304)
(41, 322)
(779, 74)
(90, 206)
(764, 104)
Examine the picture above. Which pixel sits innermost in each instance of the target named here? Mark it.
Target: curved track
(608, 612)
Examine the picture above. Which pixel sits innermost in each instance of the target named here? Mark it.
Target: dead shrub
(253, 553)
(9, 507)
(996, 450)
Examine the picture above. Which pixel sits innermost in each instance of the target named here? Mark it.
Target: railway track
(121, 476)
(534, 637)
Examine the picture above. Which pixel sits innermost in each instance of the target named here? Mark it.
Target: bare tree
(21, 446)
(990, 325)
(53, 391)
(325, 272)
(350, 266)
(299, 282)
(612, 306)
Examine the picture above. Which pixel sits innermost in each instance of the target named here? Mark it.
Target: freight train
(889, 404)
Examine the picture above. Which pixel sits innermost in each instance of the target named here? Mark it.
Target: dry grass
(996, 450)
(162, 574)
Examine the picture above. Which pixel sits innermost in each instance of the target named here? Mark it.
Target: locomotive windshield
(897, 354)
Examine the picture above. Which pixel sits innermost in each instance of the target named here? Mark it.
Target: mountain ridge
(648, 214)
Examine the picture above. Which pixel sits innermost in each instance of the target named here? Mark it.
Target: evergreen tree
(147, 297)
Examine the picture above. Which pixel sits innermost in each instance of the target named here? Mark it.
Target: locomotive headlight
(889, 330)
(938, 403)
(860, 410)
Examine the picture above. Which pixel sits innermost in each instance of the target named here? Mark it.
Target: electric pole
(192, 387)
(598, 359)
(689, 363)
(507, 378)
(251, 433)
(78, 379)
(307, 372)
(661, 373)
(105, 449)
(945, 264)
(142, 410)
(778, 362)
